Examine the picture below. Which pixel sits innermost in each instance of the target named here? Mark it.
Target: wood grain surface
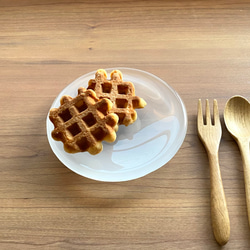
(200, 48)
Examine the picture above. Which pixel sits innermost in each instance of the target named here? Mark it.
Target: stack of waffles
(93, 116)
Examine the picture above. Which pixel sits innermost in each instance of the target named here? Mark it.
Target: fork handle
(219, 212)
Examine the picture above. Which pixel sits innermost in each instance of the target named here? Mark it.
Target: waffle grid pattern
(121, 94)
(81, 123)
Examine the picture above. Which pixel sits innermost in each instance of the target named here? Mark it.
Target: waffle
(83, 122)
(121, 94)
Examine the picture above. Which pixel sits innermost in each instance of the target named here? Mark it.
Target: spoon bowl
(237, 120)
(237, 116)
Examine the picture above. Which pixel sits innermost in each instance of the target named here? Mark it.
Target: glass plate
(146, 145)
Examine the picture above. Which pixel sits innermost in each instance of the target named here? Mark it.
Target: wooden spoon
(237, 120)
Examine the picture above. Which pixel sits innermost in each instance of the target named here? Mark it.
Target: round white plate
(146, 145)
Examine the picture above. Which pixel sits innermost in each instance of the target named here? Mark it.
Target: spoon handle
(219, 212)
(244, 149)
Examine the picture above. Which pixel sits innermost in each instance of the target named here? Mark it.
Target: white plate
(146, 145)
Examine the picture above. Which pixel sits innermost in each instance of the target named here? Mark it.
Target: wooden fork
(210, 134)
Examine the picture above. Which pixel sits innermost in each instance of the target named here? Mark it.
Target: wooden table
(200, 48)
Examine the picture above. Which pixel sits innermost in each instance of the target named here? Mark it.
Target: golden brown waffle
(121, 94)
(83, 122)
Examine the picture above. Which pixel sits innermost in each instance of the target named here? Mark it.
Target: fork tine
(208, 115)
(216, 113)
(200, 115)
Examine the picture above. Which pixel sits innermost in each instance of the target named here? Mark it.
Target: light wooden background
(200, 48)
